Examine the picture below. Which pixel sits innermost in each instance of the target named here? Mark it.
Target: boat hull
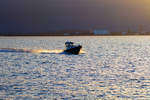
(74, 50)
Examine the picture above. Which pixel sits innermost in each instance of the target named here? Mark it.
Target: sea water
(111, 67)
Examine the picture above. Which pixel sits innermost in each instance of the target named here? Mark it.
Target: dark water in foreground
(110, 68)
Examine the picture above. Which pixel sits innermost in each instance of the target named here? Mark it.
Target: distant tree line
(72, 33)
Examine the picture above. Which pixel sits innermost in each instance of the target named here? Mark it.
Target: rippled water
(112, 68)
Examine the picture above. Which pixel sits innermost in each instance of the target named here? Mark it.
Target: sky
(52, 15)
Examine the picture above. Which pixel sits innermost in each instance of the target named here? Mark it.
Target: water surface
(112, 68)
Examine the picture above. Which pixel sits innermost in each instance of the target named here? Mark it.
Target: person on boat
(69, 45)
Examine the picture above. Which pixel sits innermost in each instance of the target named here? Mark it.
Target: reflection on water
(56, 51)
(114, 68)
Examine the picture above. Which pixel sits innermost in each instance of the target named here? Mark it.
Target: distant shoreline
(66, 35)
(77, 33)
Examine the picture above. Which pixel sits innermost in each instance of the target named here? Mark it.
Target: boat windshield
(69, 44)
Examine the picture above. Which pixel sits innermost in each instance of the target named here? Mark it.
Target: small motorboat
(72, 49)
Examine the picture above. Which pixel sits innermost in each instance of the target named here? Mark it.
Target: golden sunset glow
(74, 49)
(36, 50)
(46, 51)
